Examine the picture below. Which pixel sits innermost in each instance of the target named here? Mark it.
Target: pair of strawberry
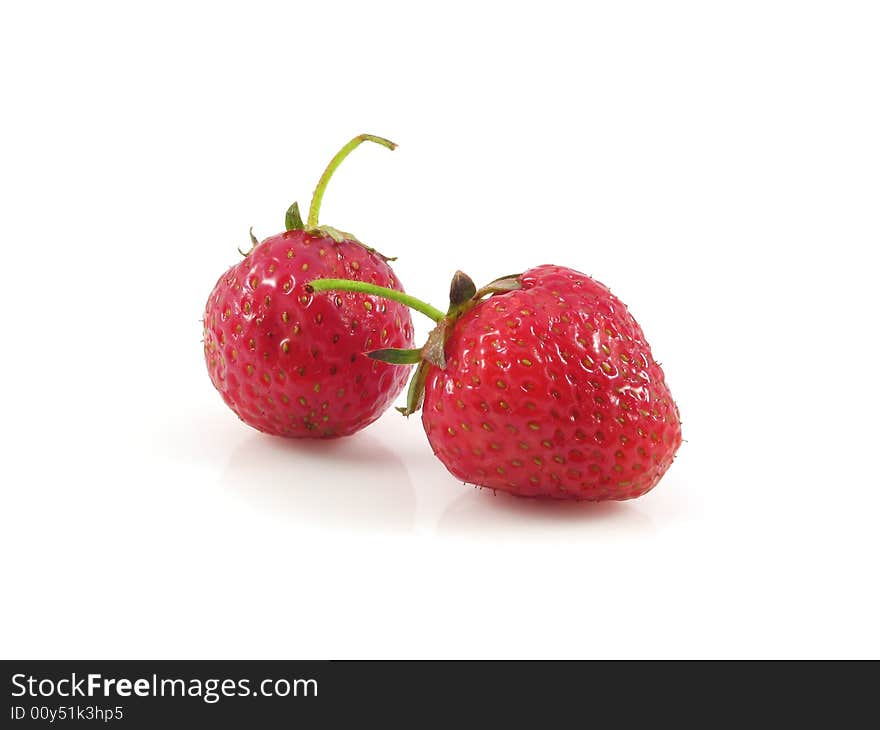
(539, 384)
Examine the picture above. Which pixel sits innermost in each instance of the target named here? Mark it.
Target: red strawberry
(546, 389)
(289, 363)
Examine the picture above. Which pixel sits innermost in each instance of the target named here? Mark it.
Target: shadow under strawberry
(483, 513)
(351, 484)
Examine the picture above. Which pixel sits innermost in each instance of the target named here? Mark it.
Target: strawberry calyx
(463, 297)
(254, 243)
(293, 219)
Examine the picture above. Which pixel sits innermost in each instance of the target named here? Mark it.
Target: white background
(716, 164)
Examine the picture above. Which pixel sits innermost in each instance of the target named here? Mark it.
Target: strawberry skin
(290, 363)
(551, 391)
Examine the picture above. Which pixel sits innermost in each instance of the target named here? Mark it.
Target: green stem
(378, 291)
(318, 195)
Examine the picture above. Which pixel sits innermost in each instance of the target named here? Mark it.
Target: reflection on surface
(482, 512)
(352, 483)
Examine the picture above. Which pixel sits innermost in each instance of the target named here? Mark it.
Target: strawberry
(547, 388)
(289, 363)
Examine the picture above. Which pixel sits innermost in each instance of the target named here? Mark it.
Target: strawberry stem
(378, 291)
(318, 195)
